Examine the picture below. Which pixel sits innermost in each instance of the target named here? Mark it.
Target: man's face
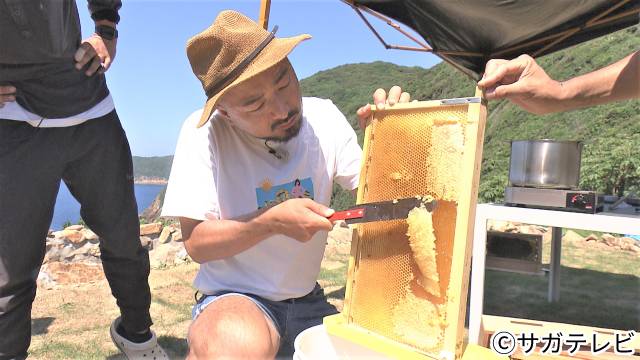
(267, 106)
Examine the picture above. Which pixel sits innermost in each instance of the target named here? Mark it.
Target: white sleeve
(348, 154)
(191, 191)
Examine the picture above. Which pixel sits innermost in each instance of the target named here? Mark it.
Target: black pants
(94, 160)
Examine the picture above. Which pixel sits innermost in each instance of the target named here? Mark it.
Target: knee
(230, 337)
(15, 294)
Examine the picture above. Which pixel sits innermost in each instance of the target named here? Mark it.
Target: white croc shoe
(148, 350)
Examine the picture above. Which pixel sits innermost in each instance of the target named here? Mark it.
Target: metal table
(624, 222)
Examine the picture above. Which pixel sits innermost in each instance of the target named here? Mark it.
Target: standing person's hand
(380, 99)
(523, 82)
(7, 94)
(97, 53)
(299, 218)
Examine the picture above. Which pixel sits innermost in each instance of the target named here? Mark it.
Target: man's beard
(289, 133)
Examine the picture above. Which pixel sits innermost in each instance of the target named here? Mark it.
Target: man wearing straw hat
(237, 165)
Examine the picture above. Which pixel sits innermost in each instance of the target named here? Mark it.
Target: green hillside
(152, 167)
(611, 132)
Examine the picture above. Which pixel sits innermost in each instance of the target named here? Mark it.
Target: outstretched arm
(526, 84)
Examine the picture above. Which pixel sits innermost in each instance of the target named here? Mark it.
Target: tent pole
(358, 9)
(541, 40)
(265, 6)
(613, 17)
(598, 20)
(576, 30)
(458, 67)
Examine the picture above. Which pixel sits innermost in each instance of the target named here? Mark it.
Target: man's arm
(218, 239)
(526, 84)
(211, 240)
(105, 10)
(618, 81)
(97, 53)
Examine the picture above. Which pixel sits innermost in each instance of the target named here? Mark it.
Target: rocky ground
(594, 241)
(73, 255)
(74, 307)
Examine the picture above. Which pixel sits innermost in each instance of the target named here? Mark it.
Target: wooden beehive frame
(341, 324)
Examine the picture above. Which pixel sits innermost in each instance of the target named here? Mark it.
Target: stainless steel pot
(545, 164)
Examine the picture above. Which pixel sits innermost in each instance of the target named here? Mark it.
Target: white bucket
(316, 344)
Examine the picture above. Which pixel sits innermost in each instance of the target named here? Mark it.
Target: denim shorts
(290, 316)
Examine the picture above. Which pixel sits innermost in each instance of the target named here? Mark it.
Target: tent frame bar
(423, 46)
(444, 55)
(599, 19)
(358, 9)
(595, 23)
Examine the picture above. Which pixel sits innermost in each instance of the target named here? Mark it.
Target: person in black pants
(58, 122)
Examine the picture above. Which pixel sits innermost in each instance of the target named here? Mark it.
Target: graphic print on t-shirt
(269, 195)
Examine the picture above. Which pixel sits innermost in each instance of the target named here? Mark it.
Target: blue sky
(151, 80)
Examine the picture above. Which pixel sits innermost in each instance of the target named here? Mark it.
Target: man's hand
(299, 218)
(97, 52)
(7, 94)
(523, 82)
(396, 95)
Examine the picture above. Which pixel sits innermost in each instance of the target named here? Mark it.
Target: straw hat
(233, 49)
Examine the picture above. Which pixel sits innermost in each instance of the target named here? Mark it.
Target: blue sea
(68, 209)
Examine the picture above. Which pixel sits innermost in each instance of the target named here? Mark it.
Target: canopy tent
(468, 33)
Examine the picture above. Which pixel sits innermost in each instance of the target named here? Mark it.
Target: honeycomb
(422, 240)
(394, 292)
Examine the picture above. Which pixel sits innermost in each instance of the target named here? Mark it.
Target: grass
(585, 233)
(72, 321)
(333, 277)
(598, 288)
(65, 350)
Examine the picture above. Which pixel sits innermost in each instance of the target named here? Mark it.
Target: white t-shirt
(220, 172)
(13, 111)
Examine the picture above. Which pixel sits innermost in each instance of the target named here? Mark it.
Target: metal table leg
(554, 266)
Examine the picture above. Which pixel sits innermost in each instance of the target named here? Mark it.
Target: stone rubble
(76, 250)
(605, 241)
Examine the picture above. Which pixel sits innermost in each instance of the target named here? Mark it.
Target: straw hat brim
(273, 53)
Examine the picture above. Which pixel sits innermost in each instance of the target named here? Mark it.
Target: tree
(612, 165)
